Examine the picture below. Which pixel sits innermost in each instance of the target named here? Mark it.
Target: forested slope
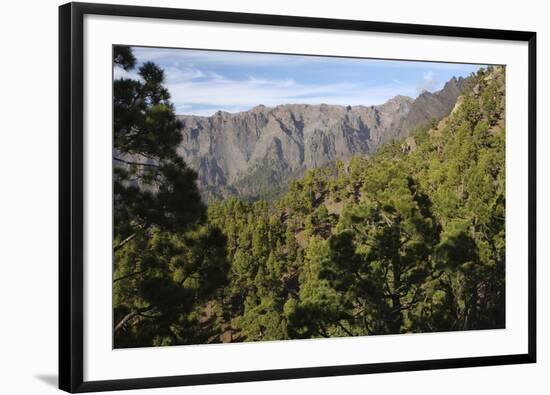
(411, 239)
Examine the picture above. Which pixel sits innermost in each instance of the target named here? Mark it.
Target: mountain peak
(454, 82)
(250, 153)
(258, 108)
(401, 99)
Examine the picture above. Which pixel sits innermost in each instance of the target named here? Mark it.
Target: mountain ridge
(251, 153)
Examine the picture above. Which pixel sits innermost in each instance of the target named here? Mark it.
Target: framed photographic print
(251, 197)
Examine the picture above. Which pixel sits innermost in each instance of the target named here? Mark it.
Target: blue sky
(203, 82)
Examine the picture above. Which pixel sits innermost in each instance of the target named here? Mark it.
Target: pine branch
(124, 242)
(131, 315)
(128, 162)
(130, 275)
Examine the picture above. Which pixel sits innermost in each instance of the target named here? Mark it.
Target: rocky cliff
(255, 153)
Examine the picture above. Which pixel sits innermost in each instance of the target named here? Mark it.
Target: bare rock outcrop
(253, 153)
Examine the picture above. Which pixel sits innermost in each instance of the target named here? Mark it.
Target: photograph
(273, 197)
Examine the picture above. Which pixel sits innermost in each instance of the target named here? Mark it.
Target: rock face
(255, 153)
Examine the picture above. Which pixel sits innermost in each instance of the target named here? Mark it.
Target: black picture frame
(71, 223)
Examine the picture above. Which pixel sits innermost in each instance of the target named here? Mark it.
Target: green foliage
(399, 242)
(123, 57)
(167, 264)
(407, 240)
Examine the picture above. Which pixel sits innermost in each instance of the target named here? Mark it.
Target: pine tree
(166, 264)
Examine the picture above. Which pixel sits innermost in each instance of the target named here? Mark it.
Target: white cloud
(225, 58)
(202, 82)
(178, 74)
(230, 95)
(235, 58)
(429, 82)
(119, 72)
